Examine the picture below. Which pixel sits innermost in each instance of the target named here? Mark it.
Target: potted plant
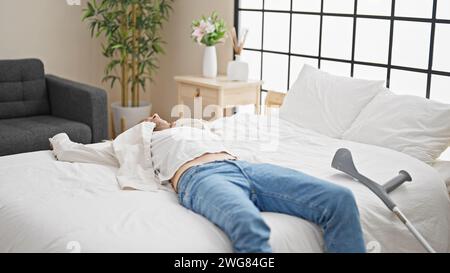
(209, 31)
(132, 43)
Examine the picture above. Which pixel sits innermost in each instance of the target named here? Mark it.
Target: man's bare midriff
(206, 158)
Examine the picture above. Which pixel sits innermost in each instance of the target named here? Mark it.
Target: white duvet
(52, 206)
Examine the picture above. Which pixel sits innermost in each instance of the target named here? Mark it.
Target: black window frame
(429, 71)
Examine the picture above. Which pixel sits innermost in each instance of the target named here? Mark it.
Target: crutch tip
(408, 177)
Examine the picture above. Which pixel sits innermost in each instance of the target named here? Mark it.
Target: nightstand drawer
(190, 91)
(242, 96)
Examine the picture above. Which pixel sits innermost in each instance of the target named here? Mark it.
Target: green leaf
(113, 20)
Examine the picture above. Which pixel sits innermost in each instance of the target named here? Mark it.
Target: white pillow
(413, 125)
(326, 103)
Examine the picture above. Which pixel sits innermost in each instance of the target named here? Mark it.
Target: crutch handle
(402, 177)
(343, 161)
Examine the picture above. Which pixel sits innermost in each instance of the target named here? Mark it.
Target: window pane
(374, 7)
(408, 83)
(440, 88)
(341, 6)
(414, 8)
(253, 58)
(251, 4)
(370, 72)
(372, 40)
(337, 37)
(276, 31)
(443, 9)
(251, 20)
(441, 60)
(275, 72)
(297, 66)
(336, 68)
(411, 44)
(306, 5)
(305, 34)
(278, 4)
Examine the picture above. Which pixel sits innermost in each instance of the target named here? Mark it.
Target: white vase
(131, 116)
(210, 62)
(237, 70)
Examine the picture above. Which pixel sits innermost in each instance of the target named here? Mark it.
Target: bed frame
(274, 99)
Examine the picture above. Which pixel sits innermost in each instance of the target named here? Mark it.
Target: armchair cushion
(22, 89)
(20, 135)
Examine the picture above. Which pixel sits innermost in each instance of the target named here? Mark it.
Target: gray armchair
(35, 107)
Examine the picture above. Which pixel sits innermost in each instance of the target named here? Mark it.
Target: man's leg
(224, 199)
(331, 207)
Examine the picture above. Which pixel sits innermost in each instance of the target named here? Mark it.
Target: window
(404, 42)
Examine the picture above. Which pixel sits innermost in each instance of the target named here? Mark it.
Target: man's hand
(150, 119)
(159, 122)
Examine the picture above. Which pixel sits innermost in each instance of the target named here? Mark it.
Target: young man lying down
(232, 193)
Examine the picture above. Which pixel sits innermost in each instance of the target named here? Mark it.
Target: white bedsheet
(48, 206)
(443, 168)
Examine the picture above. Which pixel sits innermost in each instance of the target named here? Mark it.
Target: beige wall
(52, 31)
(184, 57)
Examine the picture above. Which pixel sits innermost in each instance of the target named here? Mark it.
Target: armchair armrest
(81, 103)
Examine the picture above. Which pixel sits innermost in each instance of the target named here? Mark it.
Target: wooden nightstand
(216, 95)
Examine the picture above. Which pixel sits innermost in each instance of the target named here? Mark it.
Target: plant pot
(210, 62)
(237, 70)
(126, 117)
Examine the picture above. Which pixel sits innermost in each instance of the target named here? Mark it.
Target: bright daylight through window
(405, 42)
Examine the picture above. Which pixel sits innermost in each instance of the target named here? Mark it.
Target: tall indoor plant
(132, 44)
(209, 31)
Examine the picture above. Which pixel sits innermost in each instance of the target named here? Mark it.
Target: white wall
(52, 31)
(183, 56)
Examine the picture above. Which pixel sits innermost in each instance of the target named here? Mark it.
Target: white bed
(51, 206)
(443, 168)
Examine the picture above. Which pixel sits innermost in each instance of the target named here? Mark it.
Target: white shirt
(141, 152)
(172, 148)
(129, 152)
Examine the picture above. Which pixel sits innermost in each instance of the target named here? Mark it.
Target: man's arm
(195, 123)
(66, 150)
(162, 124)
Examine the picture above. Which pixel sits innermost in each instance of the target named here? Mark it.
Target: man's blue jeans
(232, 194)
